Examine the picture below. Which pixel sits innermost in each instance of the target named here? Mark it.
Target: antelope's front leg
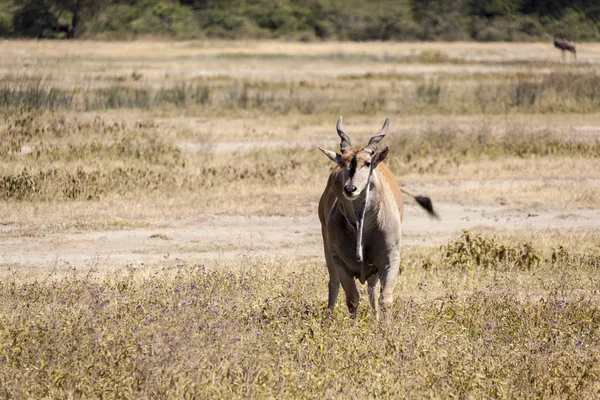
(389, 276)
(334, 281)
(374, 288)
(334, 289)
(349, 285)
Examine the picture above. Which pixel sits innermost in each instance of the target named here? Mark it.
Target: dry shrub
(477, 252)
(151, 151)
(57, 138)
(556, 92)
(115, 97)
(561, 256)
(20, 186)
(88, 184)
(64, 183)
(428, 92)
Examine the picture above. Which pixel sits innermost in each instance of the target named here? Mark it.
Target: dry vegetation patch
(248, 332)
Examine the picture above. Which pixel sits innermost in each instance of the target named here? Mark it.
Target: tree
(47, 18)
(495, 8)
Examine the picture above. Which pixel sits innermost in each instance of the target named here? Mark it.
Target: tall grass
(428, 92)
(450, 141)
(557, 92)
(35, 94)
(127, 97)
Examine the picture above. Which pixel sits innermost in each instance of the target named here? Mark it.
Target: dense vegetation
(487, 20)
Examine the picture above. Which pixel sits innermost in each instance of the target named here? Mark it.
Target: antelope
(565, 45)
(361, 212)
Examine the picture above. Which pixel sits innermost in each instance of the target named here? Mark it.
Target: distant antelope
(565, 45)
(361, 214)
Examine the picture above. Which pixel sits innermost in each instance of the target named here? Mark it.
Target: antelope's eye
(368, 164)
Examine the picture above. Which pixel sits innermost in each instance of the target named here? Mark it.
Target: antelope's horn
(345, 143)
(374, 141)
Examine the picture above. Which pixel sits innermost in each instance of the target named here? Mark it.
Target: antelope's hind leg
(389, 276)
(334, 283)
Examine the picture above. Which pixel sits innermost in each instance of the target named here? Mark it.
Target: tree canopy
(483, 20)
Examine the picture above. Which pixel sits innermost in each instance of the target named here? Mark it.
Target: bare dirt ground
(211, 237)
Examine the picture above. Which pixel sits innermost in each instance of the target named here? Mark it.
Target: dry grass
(237, 330)
(557, 92)
(144, 173)
(152, 136)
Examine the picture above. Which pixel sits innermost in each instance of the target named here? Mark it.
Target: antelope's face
(356, 166)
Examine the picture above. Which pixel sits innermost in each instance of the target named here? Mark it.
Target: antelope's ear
(336, 158)
(380, 156)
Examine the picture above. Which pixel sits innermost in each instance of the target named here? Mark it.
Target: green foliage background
(357, 20)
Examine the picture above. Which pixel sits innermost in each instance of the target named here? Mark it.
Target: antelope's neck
(365, 208)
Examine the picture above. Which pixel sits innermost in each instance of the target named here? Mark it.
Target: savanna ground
(159, 237)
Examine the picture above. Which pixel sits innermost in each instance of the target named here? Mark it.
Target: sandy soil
(275, 60)
(227, 237)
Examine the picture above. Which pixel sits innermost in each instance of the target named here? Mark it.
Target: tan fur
(361, 222)
(387, 178)
(329, 197)
(391, 199)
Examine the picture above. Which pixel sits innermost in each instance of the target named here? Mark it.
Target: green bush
(489, 20)
(573, 25)
(514, 28)
(7, 10)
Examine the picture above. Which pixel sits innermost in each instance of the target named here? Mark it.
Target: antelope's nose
(350, 190)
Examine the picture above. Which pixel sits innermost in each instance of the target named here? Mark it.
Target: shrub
(428, 92)
(474, 252)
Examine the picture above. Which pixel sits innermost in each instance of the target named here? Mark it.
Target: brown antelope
(565, 45)
(361, 214)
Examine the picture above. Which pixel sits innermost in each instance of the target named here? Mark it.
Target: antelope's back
(386, 176)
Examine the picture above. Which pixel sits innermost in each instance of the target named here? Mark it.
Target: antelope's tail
(424, 202)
